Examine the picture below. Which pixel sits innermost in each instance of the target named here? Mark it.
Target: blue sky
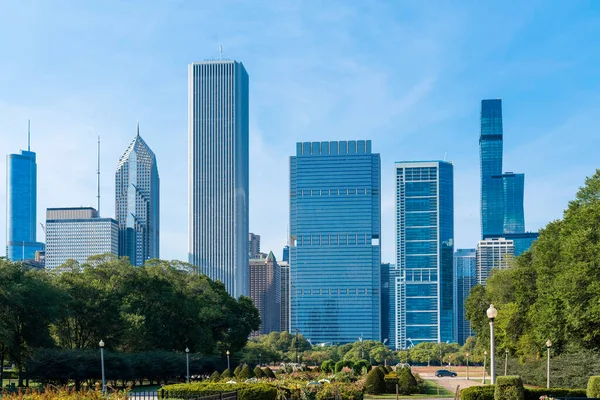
(407, 75)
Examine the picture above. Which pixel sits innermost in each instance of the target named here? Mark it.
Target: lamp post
(492, 313)
(362, 354)
(297, 360)
(548, 345)
(101, 344)
(259, 359)
(505, 362)
(187, 364)
(467, 355)
(484, 359)
(227, 352)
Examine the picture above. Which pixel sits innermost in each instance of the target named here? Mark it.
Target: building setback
(465, 272)
(218, 172)
(265, 292)
(137, 202)
(21, 203)
(78, 233)
(335, 256)
(493, 253)
(424, 252)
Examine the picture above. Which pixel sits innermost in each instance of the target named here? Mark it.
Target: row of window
(348, 239)
(330, 291)
(332, 192)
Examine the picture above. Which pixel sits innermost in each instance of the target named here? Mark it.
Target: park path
(451, 383)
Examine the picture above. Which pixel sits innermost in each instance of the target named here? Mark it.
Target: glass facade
(284, 268)
(218, 172)
(137, 202)
(514, 217)
(424, 252)
(389, 277)
(335, 228)
(490, 157)
(76, 234)
(493, 253)
(465, 270)
(21, 203)
(521, 241)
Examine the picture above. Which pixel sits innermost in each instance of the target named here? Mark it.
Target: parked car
(444, 372)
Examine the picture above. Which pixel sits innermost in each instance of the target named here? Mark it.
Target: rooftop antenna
(28, 135)
(98, 173)
(445, 153)
(220, 52)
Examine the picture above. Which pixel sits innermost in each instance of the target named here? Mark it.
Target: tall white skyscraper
(493, 253)
(218, 172)
(137, 202)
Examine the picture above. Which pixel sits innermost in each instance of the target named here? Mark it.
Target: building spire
(137, 130)
(98, 173)
(28, 135)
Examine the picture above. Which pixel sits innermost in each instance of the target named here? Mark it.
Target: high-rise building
(493, 253)
(21, 203)
(490, 157)
(137, 202)
(424, 252)
(465, 272)
(253, 245)
(218, 172)
(265, 292)
(514, 216)
(284, 268)
(389, 300)
(286, 254)
(335, 256)
(522, 241)
(77, 233)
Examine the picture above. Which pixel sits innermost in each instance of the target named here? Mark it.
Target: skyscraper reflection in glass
(335, 256)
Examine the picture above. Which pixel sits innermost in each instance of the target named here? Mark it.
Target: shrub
(407, 384)
(268, 372)
(215, 376)
(328, 366)
(246, 391)
(227, 374)
(536, 393)
(509, 388)
(258, 372)
(237, 370)
(478, 393)
(245, 373)
(389, 369)
(593, 386)
(375, 383)
(361, 365)
(346, 391)
(341, 364)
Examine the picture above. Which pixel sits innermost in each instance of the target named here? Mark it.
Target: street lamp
(259, 359)
(492, 313)
(227, 352)
(484, 359)
(101, 344)
(187, 363)
(467, 355)
(362, 354)
(297, 360)
(548, 345)
(505, 362)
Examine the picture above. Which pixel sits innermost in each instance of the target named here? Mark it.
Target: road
(450, 383)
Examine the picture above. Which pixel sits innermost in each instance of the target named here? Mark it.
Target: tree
(375, 383)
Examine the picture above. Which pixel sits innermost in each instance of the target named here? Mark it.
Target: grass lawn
(433, 391)
(147, 388)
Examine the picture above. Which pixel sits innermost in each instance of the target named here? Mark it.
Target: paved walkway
(451, 383)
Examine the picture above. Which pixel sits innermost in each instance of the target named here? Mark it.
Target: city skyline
(299, 93)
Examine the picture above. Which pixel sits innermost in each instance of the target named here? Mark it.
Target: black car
(444, 372)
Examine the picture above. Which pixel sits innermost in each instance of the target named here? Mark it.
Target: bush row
(246, 391)
(487, 393)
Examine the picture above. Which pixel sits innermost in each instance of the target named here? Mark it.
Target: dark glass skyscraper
(514, 216)
(335, 228)
(465, 270)
(218, 172)
(424, 252)
(137, 202)
(21, 203)
(490, 156)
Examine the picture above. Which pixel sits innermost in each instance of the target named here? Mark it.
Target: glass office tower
(490, 156)
(335, 228)
(514, 216)
(21, 203)
(218, 172)
(465, 272)
(424, 252)
(137, 202)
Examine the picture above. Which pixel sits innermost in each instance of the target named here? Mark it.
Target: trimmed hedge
(478, 393)
(536, 393)
(375, 383)
(246, 391)
(215, 376)
(346, 391)
(509, 388)
(593, 386)
(227, 374)
(268, 372)
(328, 366)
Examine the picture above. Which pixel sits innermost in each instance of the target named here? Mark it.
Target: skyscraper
(77, 233)
(137, 202)
(265, 292)
(335, 256)
(253, 245)
(218, 172)
(21, 203)
(490, 157)
(465, 266)
(389, 301)
(493, 253)
(514, 216)
(284, 268)
(424, 252)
